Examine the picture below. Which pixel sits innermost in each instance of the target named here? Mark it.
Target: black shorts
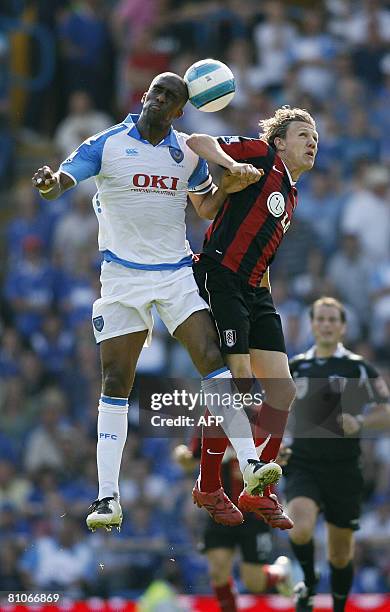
(336, 489)
(245, 316)
(252, 538)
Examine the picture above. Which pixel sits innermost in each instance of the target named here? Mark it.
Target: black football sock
(305, 555)
(341, 582)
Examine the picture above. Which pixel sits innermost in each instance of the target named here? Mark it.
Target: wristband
(46, 190)
(43, 190)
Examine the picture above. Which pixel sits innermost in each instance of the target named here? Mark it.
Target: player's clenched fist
(231, 183)
(247, 170)
(45, 179)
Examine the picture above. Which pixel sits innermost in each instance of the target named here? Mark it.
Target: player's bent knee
(115, 384)
(219, 575)
(211, 355)
(301, 534)
(340, 559)
(280, 392)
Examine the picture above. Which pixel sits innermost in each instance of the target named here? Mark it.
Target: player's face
(164, 100)
(327, 326)
(299, 147)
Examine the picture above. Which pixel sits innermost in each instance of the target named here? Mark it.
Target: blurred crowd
(330, 57)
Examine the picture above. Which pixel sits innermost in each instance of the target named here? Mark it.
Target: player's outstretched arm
(51, 184)
(208, 147)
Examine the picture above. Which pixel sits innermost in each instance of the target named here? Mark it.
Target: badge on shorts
(176, 154)
(230, 337)
(98, 323)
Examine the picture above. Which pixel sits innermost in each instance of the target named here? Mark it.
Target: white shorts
(127, 297)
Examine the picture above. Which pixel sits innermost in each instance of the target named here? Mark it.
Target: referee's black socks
(341, 582)
(304, 553)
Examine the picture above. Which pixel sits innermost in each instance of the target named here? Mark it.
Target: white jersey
(141, 194)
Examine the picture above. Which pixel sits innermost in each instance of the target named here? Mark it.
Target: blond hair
(276, 126)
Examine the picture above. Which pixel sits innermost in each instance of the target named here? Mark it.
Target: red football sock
(213, 450)
(226, 597)
(270, 423)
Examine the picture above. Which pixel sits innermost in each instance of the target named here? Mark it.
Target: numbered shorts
(252, 539)
(128, 295)
(245, 316)
(337, 489)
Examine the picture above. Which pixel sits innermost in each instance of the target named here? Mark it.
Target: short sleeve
(240, 148)
(86, 160)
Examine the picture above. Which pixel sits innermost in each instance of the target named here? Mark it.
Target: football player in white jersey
(144, 171)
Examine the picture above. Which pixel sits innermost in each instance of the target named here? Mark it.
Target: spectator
(60, 561)
(77, 228)
(85, 49)
(14, 489)
(82, 121)
(313, 52)
(29, 287)
(274, 38)
(43, 446)
(367, 213)
(320, 205)
(30, 221)
(348, 270)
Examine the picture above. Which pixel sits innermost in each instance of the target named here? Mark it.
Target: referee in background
(339, 397)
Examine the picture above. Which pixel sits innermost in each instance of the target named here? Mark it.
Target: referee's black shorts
(336, 488)
(245, 316)
(252, 538)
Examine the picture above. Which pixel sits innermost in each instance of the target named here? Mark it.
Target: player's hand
(246, 170)
(184, 457)
(284, 455)
(44, 178)
(349, 424)
(232, 183)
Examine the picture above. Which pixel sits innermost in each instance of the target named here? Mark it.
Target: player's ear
(179, 113)
(144, 97)
(280, 144)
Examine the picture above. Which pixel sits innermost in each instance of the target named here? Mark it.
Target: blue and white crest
(98, 323)
(176, 154)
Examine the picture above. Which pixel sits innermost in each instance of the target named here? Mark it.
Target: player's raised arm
(208, 147)
(207, 205)
(51, 184)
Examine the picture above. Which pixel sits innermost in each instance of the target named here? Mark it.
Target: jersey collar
(170, 139)
(340, 351)
(293, 183)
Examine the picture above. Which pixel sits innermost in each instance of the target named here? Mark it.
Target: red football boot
(218, 505)
(266, 508)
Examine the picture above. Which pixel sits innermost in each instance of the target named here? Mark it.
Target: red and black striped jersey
(250, 225)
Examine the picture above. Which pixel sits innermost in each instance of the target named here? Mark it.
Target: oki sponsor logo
(108, 436)
(155, 182)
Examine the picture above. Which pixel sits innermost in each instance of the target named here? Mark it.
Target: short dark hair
(329, 301)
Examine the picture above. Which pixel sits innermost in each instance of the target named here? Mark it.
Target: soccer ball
(211, 85)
